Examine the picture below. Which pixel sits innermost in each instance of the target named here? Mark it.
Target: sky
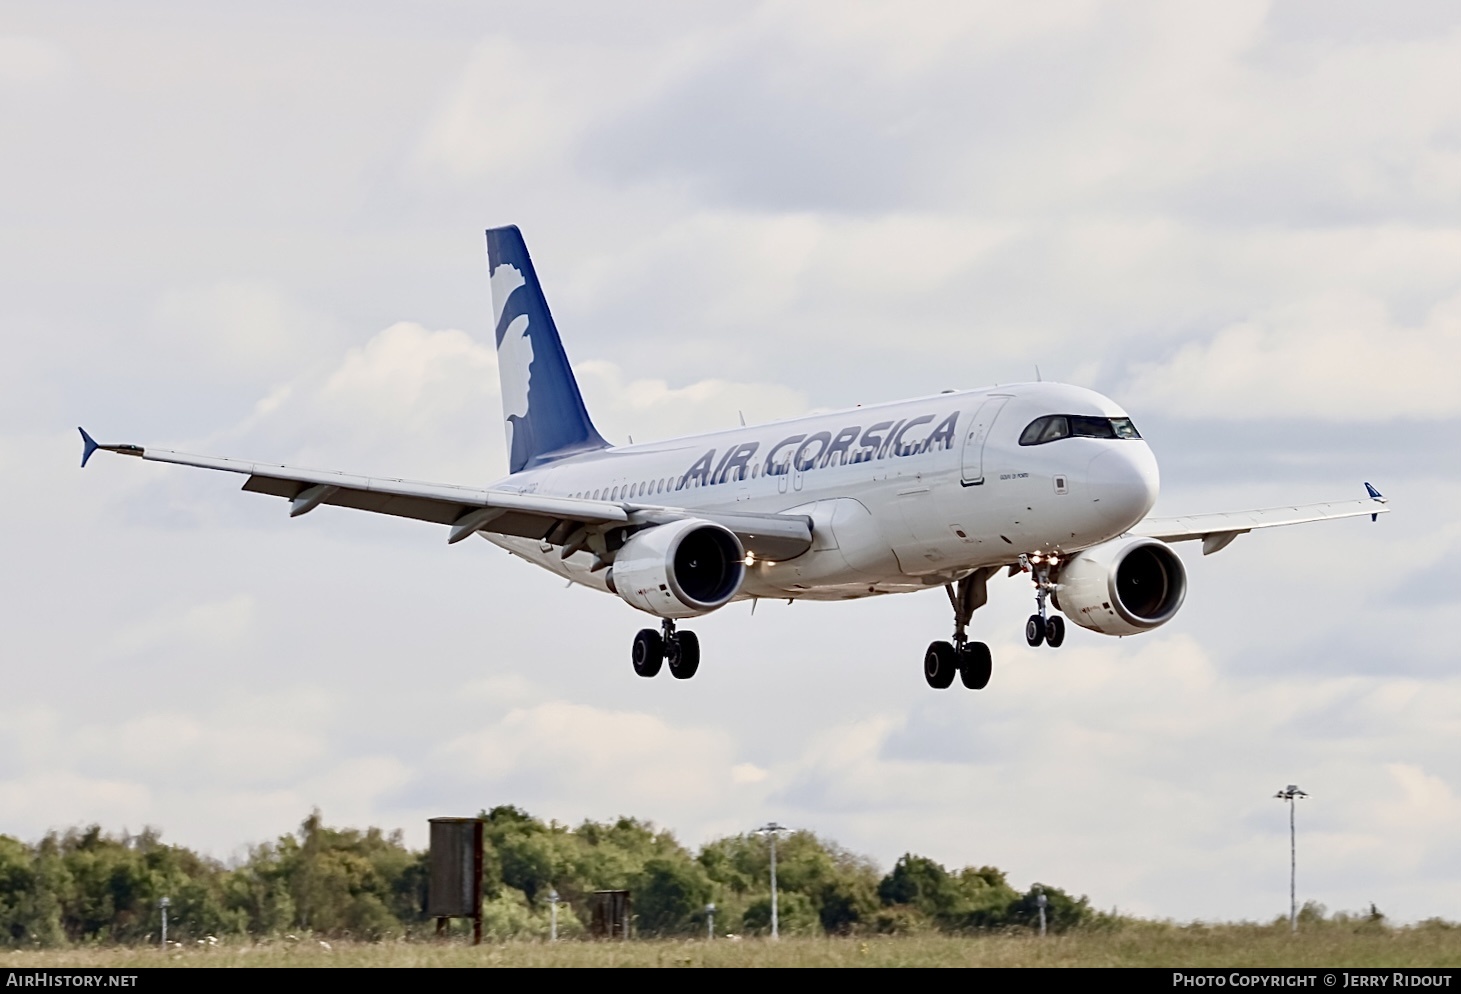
(256, 231)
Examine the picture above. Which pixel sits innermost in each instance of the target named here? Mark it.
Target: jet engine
(679, 570)
(1122, 587)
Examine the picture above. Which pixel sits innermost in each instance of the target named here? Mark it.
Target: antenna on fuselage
(743, 418)
(1037, 374)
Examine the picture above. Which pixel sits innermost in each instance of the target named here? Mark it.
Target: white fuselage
(902, 496)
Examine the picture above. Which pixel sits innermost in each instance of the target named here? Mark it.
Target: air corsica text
(852, 444)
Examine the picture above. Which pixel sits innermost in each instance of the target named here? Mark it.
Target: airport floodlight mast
(1292, 793)
(772, 829)
(163, 904)
(553, 915)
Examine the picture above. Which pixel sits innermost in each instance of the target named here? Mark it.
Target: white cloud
(423, 403)
(748, 773)
(1339, 358)
(62, 799)
(606, 761)
(242, 325)
(653, 409)
(28, 61)
(200, 625)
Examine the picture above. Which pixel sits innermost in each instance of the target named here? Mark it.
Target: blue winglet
(1375, 495)
(88, 446)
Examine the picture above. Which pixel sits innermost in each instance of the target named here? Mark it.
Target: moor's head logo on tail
(543, 409)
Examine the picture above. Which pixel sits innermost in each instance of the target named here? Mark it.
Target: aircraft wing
(1217, 530)
(559, 520)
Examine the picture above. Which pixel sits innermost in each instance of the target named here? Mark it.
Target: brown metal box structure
(454, 889)
(611, 912)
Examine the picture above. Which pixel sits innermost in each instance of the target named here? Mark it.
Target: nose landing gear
(1040, 628)
(680, 649)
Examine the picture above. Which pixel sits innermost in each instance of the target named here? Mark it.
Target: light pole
(1291, 793)
(163, 904)
(553, 915)
(710, 921)
(1041, 901)
(772, 829)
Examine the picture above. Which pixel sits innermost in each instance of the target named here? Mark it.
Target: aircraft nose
(1124, 483)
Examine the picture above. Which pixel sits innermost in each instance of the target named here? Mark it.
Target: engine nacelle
(679, 570)
(1122, 587)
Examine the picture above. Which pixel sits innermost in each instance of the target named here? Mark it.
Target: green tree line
(85, 885)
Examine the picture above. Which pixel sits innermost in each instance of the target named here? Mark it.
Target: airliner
(944, 491)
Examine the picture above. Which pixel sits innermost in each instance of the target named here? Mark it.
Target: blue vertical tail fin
(545, 414)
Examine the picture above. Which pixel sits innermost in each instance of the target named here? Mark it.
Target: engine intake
(1122, 587)
(679, 570)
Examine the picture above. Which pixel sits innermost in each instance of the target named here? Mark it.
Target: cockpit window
(1046, 429)
(1055, 426)
(1083, 427)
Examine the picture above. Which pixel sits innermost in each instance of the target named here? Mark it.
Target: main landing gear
(970, 660)
(1040, 628)
(680, 649)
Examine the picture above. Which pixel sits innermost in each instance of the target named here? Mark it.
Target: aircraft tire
(1054, 632)
(649, 652)
(976, 666)
(1035, 630)
(684, 655)
(939, 665)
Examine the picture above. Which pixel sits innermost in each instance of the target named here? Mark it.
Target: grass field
(1154, 945)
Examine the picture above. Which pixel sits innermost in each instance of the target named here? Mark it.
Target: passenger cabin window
(1057, 426)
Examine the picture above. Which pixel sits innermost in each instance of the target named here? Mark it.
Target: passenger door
(978, 434)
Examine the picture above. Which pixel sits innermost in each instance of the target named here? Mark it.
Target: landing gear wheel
(939, 665)
(684, 655)
(975, 665)
(1054, 632)
(1035, 630)
(649, 652)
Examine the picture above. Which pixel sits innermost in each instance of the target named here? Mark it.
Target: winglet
(1375, 495)
(88, 446)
